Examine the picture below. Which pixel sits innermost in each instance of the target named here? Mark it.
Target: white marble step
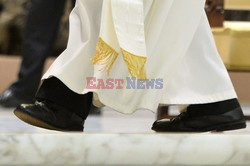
(124, 149)
(115, 139)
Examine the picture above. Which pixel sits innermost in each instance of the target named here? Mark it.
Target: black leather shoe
(204, 120)
(10, 99)
(49, 116)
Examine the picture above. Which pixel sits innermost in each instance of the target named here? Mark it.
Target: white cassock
(180, 50)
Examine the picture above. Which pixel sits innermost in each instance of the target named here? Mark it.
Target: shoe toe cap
(161, 125)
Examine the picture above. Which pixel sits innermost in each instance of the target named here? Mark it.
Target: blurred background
(13, 17)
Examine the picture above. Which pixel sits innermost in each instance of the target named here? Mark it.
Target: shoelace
(46, 107)
(49, 107)
(39, 103)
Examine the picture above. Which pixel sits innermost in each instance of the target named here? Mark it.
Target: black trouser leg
(55, 91)
(40, 33)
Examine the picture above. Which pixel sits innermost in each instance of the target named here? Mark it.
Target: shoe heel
(234, 126)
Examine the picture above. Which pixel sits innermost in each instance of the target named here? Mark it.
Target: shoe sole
(231, 126)
(36, 122)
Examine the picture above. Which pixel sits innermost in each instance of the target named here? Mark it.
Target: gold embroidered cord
(105, 55)
(136, 64)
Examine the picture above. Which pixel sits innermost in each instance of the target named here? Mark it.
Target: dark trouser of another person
(1, 7)
(40, 33)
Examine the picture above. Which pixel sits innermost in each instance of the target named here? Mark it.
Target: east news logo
(128, 83)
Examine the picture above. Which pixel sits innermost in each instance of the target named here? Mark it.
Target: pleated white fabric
(180, 50)
(127, 17)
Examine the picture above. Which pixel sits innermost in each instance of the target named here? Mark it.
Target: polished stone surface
(124, 149)
(109, 122)
(116, 139)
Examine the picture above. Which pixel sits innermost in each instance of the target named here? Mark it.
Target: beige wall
(241, 81)
(9, 66)
(237, 4)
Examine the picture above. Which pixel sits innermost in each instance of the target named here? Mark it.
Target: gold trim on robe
(136, 64)
(105, 55)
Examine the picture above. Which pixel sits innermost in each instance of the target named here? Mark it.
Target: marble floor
(109, 122)
(116, 139)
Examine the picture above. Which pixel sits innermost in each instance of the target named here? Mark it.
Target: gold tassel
(136, 64)
(105, 55)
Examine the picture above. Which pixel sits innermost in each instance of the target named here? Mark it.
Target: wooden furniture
(215, 12)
